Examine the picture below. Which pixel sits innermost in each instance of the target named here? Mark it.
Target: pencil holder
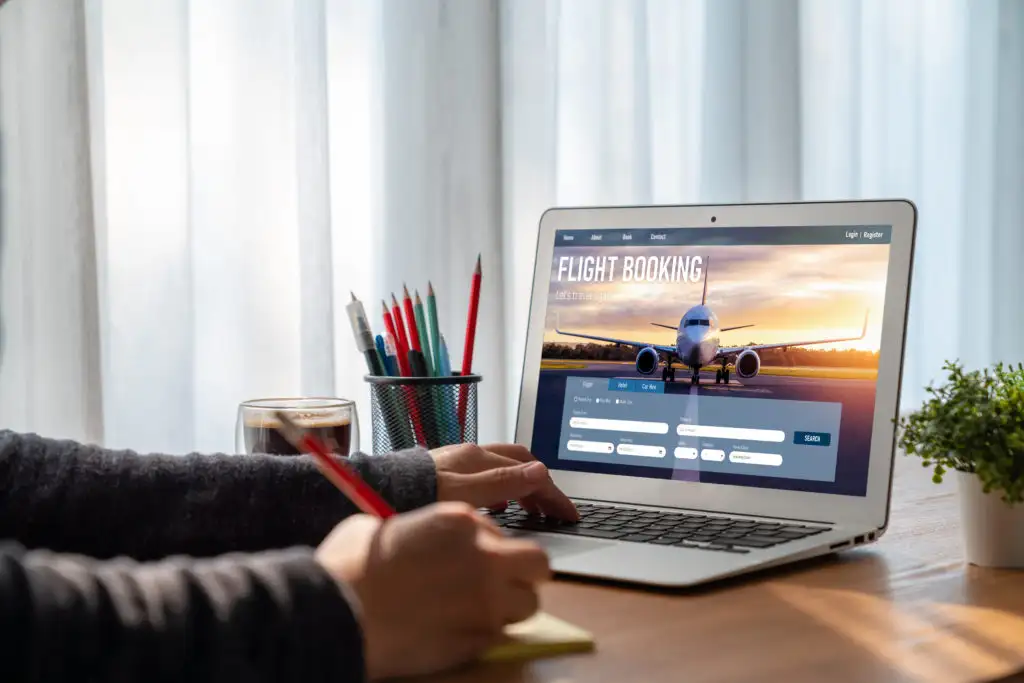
(425, 411)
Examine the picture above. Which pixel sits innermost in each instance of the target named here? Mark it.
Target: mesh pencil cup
(425, 411)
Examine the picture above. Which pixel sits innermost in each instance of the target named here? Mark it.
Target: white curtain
(180, 230)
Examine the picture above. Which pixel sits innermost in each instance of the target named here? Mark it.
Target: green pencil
(434, 329)
(421, 328)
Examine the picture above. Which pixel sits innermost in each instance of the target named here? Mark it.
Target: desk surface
(903, 609)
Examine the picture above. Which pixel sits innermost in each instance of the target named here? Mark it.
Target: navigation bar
(717, 236)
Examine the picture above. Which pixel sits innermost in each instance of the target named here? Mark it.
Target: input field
(712, 455)
(589, 446)
(634, 426)
(686, 453)
(641, 450)
(741, 433)
(749, 458)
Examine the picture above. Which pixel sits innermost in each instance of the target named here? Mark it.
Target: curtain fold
(50, 377)
(190, 190)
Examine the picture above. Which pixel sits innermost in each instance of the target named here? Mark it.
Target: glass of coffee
(331, 420)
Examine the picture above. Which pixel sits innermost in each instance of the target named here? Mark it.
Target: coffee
(262, 436)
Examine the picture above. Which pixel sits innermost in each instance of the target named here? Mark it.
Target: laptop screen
(740, 356)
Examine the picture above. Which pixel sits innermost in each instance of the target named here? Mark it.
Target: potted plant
(973, 424)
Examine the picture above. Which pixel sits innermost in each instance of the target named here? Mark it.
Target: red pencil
(419, 436)
(341, 475)
(401, 353)
(467, 353)
(410, 321)
(400, 337)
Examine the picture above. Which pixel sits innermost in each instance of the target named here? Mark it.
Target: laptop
(714, 386)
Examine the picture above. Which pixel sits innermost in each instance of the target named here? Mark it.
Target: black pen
(418, 362)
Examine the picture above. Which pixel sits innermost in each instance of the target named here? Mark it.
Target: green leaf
(973, 422)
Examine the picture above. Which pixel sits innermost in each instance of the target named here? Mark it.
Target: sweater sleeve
(275, 616)
(69, 497)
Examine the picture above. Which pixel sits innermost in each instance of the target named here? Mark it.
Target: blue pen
(446, 362)
(388, 367)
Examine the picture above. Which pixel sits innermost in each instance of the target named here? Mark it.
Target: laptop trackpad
(559, 546)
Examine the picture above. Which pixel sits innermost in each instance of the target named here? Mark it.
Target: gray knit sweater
(221, 583)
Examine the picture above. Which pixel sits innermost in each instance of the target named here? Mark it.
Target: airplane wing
(674, 328)
(730, 350)
(735, 327)
(624, 342)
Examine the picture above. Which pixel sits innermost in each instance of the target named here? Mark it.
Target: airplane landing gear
(668, 374)
(695, 379)
(722, 375)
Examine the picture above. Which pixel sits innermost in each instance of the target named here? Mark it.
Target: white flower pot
(993, 531)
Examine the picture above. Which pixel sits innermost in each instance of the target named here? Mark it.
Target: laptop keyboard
(682, 529)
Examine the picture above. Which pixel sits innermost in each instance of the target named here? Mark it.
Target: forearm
(68, 497)
(270, 617)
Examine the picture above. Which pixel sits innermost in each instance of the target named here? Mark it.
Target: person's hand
(435, 587)
(490, 476)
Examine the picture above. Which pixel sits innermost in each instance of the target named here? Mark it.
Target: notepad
(542, 635)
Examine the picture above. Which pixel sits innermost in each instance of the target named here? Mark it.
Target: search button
(812, 438)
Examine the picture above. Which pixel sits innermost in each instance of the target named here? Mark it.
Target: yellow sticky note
(542, 635)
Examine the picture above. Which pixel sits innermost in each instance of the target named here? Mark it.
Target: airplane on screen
(697, 346)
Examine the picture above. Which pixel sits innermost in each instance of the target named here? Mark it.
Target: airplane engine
(748, 364)
(647, 361)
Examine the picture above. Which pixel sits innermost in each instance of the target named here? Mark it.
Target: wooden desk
(904, 609)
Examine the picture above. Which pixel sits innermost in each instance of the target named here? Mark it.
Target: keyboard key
(639, 538)
(750, 543)
(789, 535)
(731, 549)
(663, 541)
(599, 533)
(766, 539)
(716, 546)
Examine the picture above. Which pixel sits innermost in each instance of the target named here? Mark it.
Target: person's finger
(530, 504)
(548, 499)
(519, 560)
(518, 602)
(488, 526)
(492, 486)
(512, 451)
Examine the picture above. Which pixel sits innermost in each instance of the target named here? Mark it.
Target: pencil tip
(353, 295)
(478, 257)
(419, 301)
(394, 301)
(430, 288)
(405, 290)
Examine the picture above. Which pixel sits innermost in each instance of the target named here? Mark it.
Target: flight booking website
(741, 356)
